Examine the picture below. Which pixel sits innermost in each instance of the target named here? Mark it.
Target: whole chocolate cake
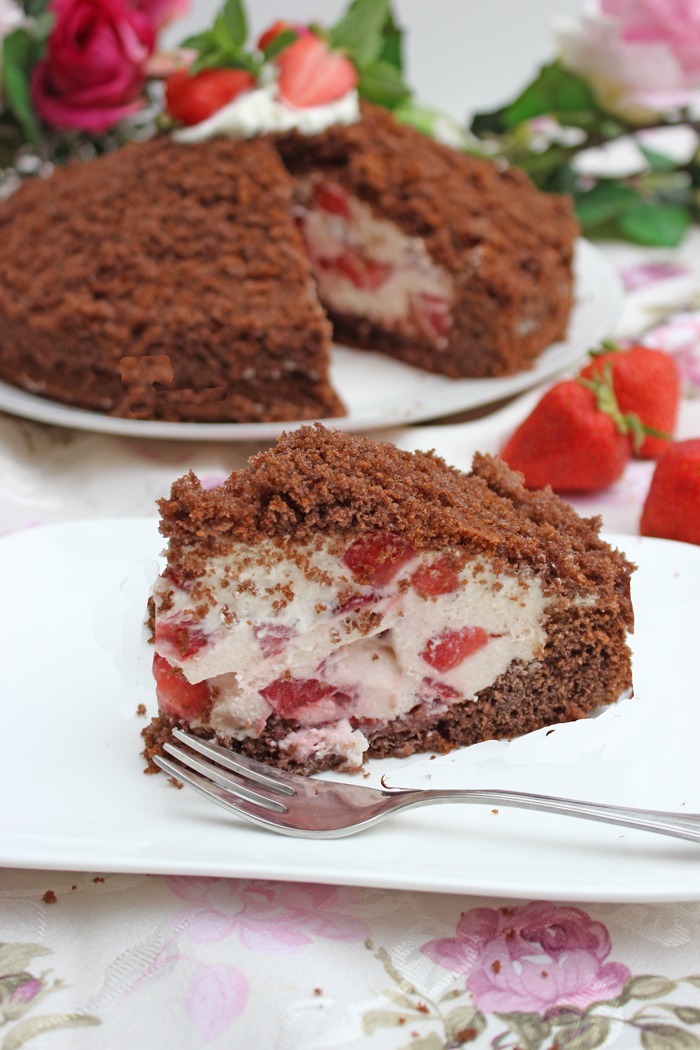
(199, 280)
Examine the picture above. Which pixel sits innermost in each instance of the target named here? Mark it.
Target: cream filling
(404, 282)
(274, 618)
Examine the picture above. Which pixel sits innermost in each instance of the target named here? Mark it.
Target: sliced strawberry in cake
(340, 598)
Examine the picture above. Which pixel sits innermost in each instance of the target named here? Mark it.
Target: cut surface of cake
(165, 282)
(444, 260)
(340, 599)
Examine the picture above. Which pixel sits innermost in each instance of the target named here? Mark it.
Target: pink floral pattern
(531, 958)
(266, 916)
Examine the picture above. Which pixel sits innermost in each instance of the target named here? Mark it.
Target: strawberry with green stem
(576, 439)
(646, 383)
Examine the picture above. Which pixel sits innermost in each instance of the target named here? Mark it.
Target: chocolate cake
(164, 282)
(174, 281)
(339, 599)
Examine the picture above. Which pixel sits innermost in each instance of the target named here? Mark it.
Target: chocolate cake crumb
(49, 897)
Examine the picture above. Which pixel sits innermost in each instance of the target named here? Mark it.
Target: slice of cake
(445, 260)
(339, 598)
(165, 282)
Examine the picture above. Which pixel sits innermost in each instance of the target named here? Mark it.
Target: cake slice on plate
(339, 599)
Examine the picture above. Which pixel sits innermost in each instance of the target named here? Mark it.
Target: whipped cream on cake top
(260, 111)
(305, 632)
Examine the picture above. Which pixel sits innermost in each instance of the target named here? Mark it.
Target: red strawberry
(290, 696)
(672, 507)
(184, 636)
(332, 198)
(451, 647)
(272, 638)
(377, 559)
(310, 74)
(435, 579)
(272, 33)
(361, 271)
(177, 696)
(191, 98)
(569, 442)
(646, 382)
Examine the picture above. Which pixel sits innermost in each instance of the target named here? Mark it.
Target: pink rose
(642, 57)
(95, 65)
(531, 958)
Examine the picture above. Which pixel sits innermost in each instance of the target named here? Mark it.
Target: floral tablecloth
(109, 960)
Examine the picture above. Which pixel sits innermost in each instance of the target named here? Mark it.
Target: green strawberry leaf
(278, 43)
(360, 32)
(234, 18)
(392, 44)
(382, 83)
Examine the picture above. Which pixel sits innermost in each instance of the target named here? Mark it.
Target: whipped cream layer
(329, 646)
(261, 112)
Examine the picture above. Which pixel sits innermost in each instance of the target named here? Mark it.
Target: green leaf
(360, 31)
(279, 42)
(463, 1025)
(584, 1034)
(656, 161)
(655, 224)
(668, 1037)
(392, 45)
(32, 1027)
(491, 123)
(555, 92)
(530, 1029)
(234, 18)
(604, 203)
(686, 1014)
(19, 52)
(648, 986)
(382, 83)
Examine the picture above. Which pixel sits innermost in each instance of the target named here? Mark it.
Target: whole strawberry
(646, 382)
(672, 507)
(193, 97)
(574, 439)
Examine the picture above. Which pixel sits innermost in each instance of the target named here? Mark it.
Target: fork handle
(678, 825)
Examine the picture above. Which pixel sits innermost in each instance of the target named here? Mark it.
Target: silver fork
(325, 809)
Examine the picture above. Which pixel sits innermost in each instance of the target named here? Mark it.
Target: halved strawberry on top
(311, 74)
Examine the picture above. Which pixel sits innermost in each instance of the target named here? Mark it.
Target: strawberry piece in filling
(377, 559)
(305, 699)
(177, 696)
(272, 638)
(183, 636)
(430, 581)
(449, 648)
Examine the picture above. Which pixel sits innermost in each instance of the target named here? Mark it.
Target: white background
(461, 57)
